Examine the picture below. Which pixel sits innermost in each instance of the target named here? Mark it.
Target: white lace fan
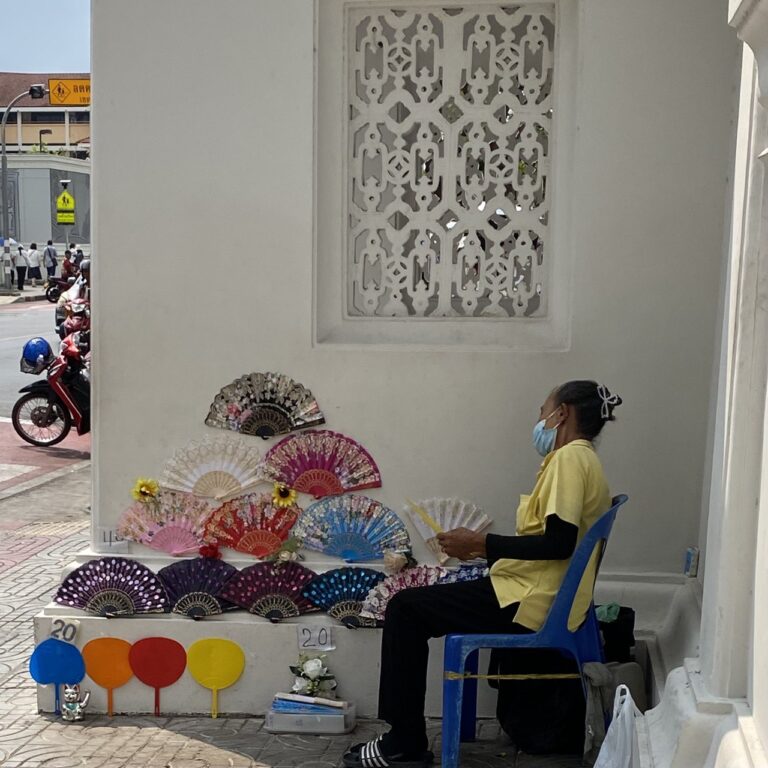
(218, 468)
(432, 516)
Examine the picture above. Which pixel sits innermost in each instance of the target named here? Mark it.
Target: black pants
(21, 273)
(51, 271)
(412, 617)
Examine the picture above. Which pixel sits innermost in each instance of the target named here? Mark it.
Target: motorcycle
(44, 415)
(57, 286)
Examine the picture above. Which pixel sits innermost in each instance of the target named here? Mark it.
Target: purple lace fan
(193, 586)
(113, 586)
(272, 591)
(341, 592)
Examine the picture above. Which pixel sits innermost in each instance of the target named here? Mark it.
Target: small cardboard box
(342, 721)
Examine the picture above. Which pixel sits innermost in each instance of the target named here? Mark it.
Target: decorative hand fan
(193, 586)
(218, 469)
(465, 572)
(158, 662)
(215, 663)
(376, 601)
(352, 527)
(172, 522)
(264, 404)
(432, 516)
(341, 592)
(107, 664)
(252, 524)
(322, 463)
(113, 586)
(272, 591)
(56, 662)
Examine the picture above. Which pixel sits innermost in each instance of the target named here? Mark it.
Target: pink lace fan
(322, 463)
(252, 524)
(172, 522)
(270, 590)
(375, 604)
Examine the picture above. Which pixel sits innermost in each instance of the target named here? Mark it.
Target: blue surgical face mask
(543, 438)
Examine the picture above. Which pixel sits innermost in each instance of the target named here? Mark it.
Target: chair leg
(469, 699)
(452, 707)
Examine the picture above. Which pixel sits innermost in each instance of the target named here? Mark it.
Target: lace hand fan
(193, 586)
(341, 592)
(376, 601)
(113, 586)
(322, 463)
(253, 524)
(432, 516)
(217, 469)
(172, 522)
(466, 572)
(352, 527)
(274, 592)
(264, 404)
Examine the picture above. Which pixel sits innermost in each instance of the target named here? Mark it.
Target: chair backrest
(598, 534)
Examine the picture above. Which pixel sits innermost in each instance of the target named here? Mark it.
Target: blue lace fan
(466, 572)
(353, 527)
(341, 592)
(193, 586)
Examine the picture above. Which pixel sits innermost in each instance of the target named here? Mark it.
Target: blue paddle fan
(341, 592)
(56, 662)
(353, 527)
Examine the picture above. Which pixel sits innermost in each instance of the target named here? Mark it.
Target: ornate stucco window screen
(448, 160)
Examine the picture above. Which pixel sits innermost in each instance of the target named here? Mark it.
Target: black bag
(540, 716)
(619, 636)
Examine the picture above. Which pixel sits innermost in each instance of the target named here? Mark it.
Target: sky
(45, 36)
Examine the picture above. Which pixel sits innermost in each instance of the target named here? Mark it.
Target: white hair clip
(608, 401)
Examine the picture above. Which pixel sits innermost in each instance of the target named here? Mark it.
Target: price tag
(108, 540)
(65, 629)
(315, 637)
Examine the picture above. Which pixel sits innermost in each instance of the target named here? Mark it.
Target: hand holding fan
(158, 662)
(107, 664)
(215, 663)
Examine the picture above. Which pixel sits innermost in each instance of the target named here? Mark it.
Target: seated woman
(526, 570)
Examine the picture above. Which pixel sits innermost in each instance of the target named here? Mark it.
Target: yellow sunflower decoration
(283, 496)
(145, 489)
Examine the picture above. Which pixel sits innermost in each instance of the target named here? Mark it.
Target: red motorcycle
(46, 411)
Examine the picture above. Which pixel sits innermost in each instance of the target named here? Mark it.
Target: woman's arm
(556, 543)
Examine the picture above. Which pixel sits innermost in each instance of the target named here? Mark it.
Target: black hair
(50, 242)
(590, 406)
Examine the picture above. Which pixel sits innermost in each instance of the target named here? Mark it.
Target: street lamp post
(42, 132)
(35, 92)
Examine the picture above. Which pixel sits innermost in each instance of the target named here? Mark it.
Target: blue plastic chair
(583, 644)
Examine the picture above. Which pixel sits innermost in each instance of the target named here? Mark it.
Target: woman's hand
(462, 543)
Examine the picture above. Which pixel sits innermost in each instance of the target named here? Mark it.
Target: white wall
(182, 307)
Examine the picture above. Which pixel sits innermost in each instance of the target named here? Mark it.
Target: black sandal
(369, 755)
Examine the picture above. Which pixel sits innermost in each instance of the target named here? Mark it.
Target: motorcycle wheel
(52, 293)
(39, 422)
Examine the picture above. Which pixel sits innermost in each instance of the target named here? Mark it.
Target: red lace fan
(251, 524)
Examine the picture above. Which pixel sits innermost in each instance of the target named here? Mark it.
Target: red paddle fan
(158, 662)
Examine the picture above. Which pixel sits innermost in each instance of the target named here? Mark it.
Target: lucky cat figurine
(73, 708)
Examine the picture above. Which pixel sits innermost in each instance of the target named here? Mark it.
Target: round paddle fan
(58, 663)
(107, 664)
(158, 662)
(215, 663)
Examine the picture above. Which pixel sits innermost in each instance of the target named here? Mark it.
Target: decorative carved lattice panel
(449, 146)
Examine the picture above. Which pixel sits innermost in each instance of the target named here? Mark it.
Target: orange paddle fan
(158, 662)
(106, 663)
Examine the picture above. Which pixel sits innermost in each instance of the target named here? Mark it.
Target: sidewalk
(39, 531)
(28, 294)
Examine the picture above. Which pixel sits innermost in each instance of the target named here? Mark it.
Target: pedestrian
(33, 257)
(79, 256)
(21, 262)
(50, 259)
(68, 266)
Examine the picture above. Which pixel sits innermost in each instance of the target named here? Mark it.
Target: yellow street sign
(65, 208)
(73, 92)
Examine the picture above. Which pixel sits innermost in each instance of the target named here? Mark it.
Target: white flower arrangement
(312, 677)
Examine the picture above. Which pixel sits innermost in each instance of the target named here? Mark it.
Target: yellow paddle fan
(215, 663)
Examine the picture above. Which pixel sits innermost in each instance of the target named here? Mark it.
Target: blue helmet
(36, 348)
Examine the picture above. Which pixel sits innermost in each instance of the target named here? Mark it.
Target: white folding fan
(433, 516)
(219, 468)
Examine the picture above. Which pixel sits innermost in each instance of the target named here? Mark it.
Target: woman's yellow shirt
(571, 485)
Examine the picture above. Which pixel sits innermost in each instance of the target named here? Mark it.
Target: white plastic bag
(620, 749)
